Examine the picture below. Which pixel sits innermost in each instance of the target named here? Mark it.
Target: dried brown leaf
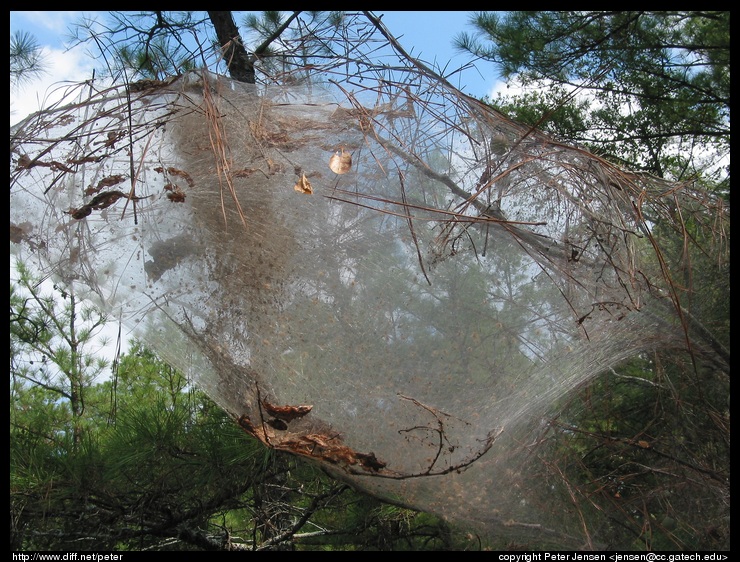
(340, 162)
(303, 185)
(286, 413)
(80, 213)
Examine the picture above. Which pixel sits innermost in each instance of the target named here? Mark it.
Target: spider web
(408, 322)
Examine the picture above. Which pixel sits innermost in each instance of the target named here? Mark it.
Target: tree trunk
(238, 61)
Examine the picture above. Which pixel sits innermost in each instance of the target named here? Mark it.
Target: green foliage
(51, 338)
(657, 82)
(157, 465)
(144, 45)
(160, 44)
(285, 45)
(153, 61)
(26, 58)
(648, 446)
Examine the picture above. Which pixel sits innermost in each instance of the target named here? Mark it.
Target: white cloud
(63, 68)
(511, 87)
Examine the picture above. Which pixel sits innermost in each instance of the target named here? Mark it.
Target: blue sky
(425, 34)
(429, 34)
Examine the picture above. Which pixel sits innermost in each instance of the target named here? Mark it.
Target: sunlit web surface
(364, 267)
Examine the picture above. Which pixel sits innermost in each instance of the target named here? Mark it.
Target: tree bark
(238, 61)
